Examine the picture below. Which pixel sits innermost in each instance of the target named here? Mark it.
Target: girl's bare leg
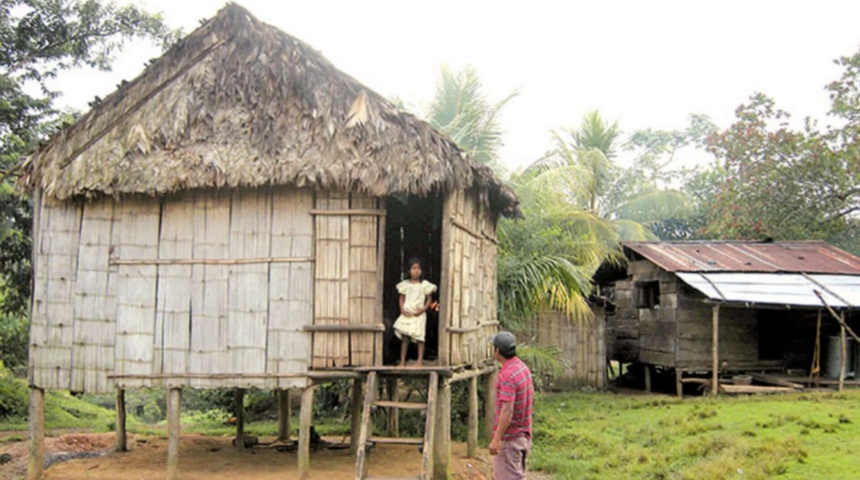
(420, 353)
(404, 346)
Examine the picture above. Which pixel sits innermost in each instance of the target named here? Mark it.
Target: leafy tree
(461, 110)
(785, 183)
(38, 40)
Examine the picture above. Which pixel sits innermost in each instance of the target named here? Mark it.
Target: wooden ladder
(366, 439)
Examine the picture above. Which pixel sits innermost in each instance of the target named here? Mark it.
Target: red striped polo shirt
(515, 386)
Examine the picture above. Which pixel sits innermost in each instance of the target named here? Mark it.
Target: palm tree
(581, 185)
(461, 110)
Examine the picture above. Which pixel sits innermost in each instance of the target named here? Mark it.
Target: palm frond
(545, 362)
(655, 206)
(630, 230)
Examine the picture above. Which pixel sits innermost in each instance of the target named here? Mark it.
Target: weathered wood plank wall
(469, 317)
(149, 288)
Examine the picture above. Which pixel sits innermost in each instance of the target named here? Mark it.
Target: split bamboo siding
(468, 278)
(582, 345)
(204, 288)
(237, 288)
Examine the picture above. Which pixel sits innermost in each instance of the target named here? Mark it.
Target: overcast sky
(645, 63)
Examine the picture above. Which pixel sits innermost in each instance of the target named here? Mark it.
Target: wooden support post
(490, 403)
(472, 441)
(121, 436)
(648, 378)
(284, 414)
(679, 383)
(365, 431)
(305, 417)
(174, 398)
(715, 350)
(36, 431)
(239, 412)
(393, 413)
(843, 357)
(427, 457)
(442, 443)
(355, 412)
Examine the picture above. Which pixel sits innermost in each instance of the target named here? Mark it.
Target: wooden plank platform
(742, 389)
(444, 371)
(401, 405)
(397, 440)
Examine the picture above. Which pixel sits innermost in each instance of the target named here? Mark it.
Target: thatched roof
(239, 103)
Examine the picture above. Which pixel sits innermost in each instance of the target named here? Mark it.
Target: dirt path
(213, 458)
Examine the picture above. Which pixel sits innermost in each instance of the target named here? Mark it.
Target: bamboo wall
(582, 345)
(229, 288)
(469, 249)
(207, 289)
(348, 279)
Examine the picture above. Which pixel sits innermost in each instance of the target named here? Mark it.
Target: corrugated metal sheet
(839, 291)
(774, 257)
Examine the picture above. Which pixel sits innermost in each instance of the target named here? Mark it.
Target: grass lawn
(611, 436)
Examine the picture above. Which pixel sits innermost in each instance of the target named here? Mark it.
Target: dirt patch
(57, 449)
(213, 458)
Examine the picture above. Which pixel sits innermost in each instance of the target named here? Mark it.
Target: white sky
(645, 63)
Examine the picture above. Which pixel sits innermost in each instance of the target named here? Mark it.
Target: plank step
(401, 405)
(418, 477)
(397, 440)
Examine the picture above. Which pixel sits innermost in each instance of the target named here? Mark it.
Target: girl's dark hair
(413, 261)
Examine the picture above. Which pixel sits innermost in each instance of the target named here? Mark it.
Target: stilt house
(238, 216)
(777, 311)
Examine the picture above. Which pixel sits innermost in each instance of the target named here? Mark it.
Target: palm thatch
(239, 103)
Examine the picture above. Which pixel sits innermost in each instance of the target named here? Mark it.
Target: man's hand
(495, 445)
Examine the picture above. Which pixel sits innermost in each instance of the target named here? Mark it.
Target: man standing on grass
(512, 433)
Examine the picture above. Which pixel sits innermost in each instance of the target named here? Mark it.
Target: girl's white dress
(416, 297)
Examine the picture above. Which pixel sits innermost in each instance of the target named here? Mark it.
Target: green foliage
(597, 436)
(784, 183)
(14, 335)
(38, 40)
(545, 362)
(461, 110)
(13, 395)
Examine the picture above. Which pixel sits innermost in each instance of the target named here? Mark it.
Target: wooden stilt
(679, 383)
(355, 416)
(842, 360)
(490, 403)
(442, 442)
(305, 417)
(715, 350)
(239, 412)
(284, 415)
(174, 398)
(36, 430)
(120, 421)
(365, 430)
(393, 413)
(472, 440)
(427, 457)
(648, 378)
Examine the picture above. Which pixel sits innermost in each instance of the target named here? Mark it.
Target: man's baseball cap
(506, 342)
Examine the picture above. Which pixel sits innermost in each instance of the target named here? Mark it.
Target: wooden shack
(724, 308)
(236, 217)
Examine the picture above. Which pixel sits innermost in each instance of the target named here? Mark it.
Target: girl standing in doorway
(414, 301)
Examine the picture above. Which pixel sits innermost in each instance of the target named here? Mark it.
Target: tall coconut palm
(582, 186)
(461, 110)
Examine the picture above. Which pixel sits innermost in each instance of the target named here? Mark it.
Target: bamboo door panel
(346, 286)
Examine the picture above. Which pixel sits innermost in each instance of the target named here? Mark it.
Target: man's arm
(505, 417)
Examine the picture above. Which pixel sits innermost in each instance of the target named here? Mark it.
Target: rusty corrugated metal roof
(764, 257)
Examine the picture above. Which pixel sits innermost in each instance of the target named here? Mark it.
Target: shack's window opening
(413, 229)
(647, 293)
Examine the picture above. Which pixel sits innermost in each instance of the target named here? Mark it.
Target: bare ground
(212, 458)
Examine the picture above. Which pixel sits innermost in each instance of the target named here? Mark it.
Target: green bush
(14, 334)
(14, 397)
